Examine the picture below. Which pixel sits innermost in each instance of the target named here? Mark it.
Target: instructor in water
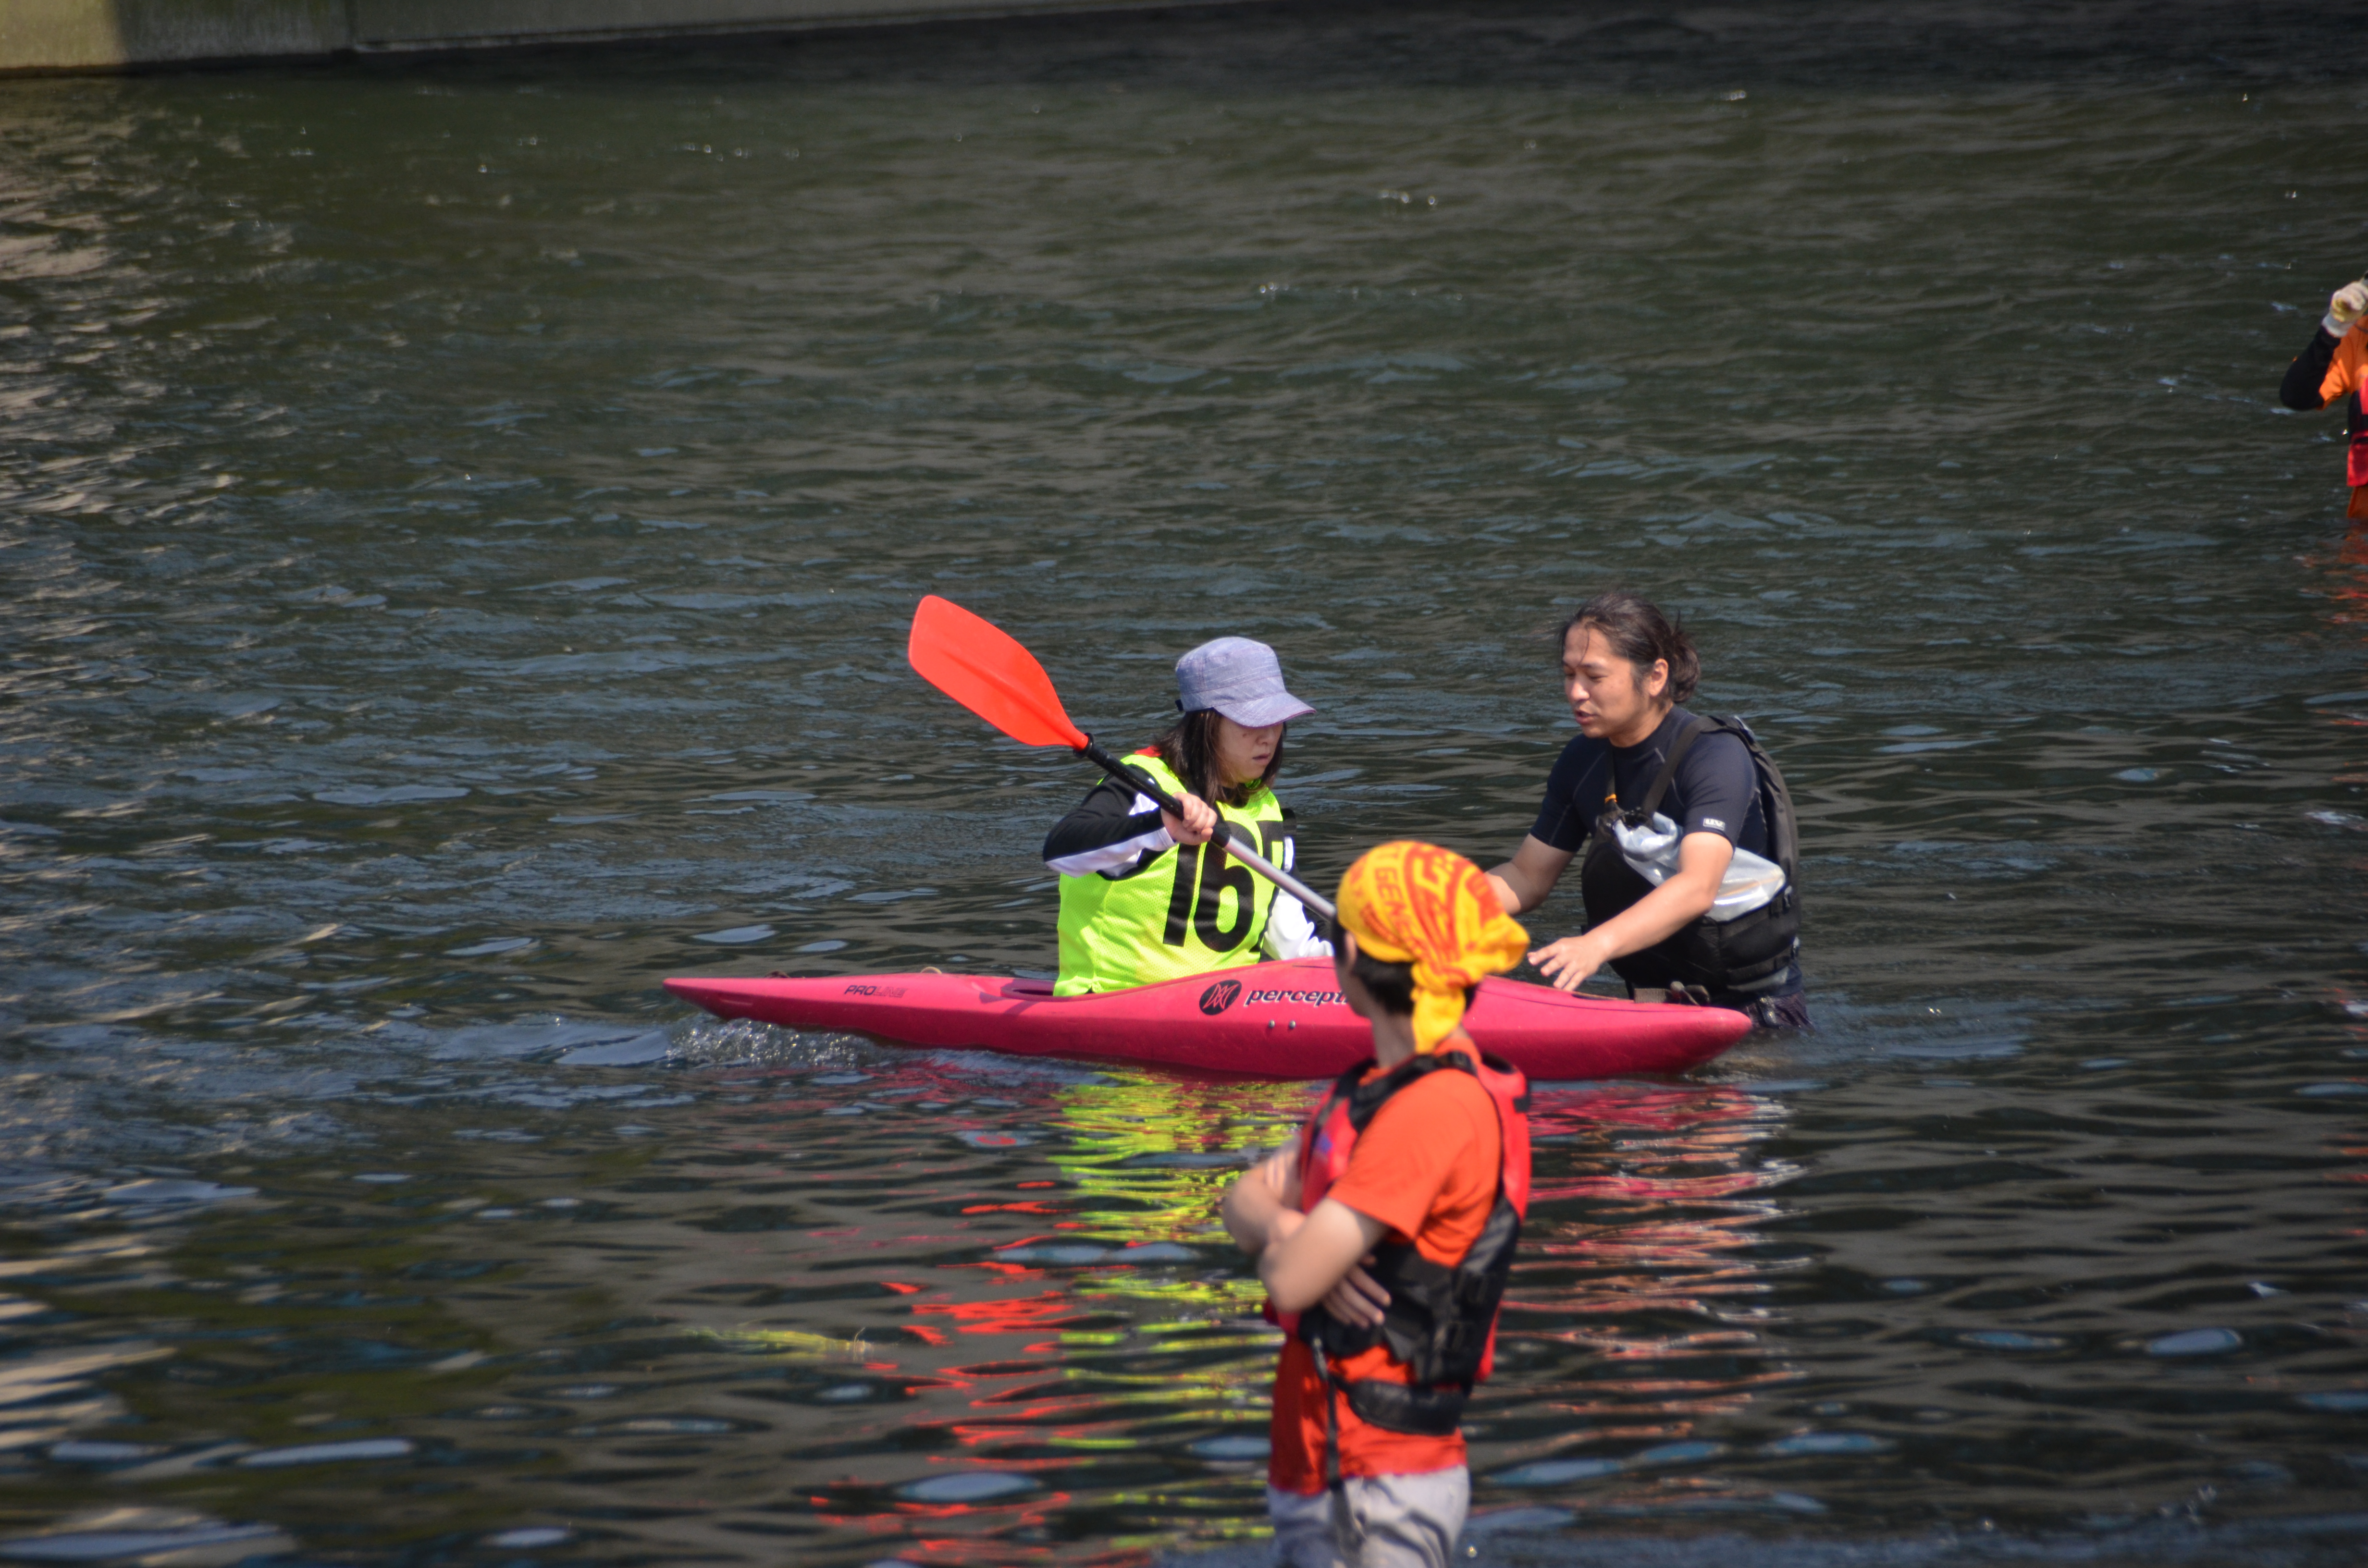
(1684, 824)
(1144, 896)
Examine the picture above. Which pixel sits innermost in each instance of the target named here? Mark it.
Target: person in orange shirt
(2335, 365)
(1385, 1232)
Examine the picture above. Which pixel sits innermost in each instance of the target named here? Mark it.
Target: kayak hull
(1280, 1020)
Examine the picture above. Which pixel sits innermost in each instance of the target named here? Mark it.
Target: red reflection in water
(1029, 1314)
(1663, 1108)
(1674, 1190)
(1648, 1203)
(1022, 1514)
(2350, 595)
(1131, 1161)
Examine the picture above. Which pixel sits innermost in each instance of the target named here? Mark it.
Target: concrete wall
(81, 35)
(114, 35)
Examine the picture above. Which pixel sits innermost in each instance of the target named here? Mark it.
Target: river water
(460, 523)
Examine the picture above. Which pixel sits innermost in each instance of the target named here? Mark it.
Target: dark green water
(457, 527)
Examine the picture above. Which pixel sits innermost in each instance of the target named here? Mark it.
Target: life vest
(2356, 459)
(1170, 917)
(1441, 1322)
(1750, 953)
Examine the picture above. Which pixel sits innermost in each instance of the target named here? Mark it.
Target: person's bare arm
(1523, 882)
(1684, 898)
(1262, 1208)
(1308, 1263)
(1267, 1194)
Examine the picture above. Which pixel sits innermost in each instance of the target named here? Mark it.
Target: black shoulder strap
(1343, 1090)
(1366, 1099)
(1775, 798)
(1678, 749)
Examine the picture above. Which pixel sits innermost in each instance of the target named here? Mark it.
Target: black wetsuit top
(1715, 789)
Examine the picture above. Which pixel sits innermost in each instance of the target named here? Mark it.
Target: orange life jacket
(2356, 459)
(1442, 1320)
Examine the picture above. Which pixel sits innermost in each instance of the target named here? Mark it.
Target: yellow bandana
(1419, 904)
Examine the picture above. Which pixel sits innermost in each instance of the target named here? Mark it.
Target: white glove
(2345, 306)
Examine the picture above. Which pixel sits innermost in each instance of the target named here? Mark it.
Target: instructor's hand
(2346, 306)
(1570, 962)
(1199, 823)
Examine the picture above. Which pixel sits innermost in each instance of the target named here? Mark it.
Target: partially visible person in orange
(1384, 1234)
(2334, 366)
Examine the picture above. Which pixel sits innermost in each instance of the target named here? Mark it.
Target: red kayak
(1270, 1020)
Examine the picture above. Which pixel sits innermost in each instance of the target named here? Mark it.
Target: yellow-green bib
(1178, 915)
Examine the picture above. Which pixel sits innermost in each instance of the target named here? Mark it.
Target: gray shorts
(1399, 1521)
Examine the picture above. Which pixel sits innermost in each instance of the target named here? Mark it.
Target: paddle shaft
(1316, 902)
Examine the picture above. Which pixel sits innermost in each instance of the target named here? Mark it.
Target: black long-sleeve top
(1111, 827)
(2308, 373)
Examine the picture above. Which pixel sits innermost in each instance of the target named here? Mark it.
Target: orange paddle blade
(976, 664)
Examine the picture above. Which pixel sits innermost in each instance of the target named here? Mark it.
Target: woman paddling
(1665, 906)
(1144, 895)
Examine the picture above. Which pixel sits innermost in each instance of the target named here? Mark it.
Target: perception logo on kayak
(1220, 996)
(1305, 998)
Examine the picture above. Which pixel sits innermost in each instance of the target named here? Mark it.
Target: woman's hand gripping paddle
(979, 665)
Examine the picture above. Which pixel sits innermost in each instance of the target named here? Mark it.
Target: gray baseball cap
(1239, 678)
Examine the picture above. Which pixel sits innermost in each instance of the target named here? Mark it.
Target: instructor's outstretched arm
(1523, 882)
(1703, 860)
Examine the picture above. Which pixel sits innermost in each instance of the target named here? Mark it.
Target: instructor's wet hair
(1391, 984)
(1640, 634)
(1189, 747)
